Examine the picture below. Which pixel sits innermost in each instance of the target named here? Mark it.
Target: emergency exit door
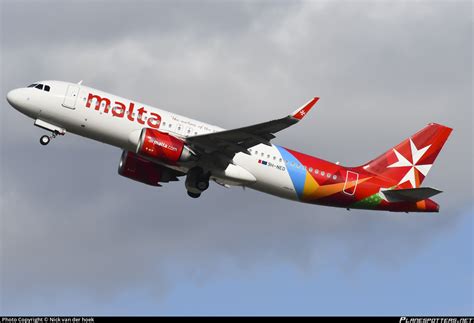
(351, 182)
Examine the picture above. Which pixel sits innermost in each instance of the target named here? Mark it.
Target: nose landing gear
(44, 140)
(55, 130)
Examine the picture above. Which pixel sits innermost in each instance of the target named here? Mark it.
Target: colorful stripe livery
(404, 166)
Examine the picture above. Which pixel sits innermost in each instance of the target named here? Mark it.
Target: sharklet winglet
(303, 111)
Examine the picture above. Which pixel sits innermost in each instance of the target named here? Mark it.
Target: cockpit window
(39, 86)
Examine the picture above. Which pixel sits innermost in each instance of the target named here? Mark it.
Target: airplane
(160, 146)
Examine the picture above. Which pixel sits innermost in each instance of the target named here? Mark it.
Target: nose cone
(14, 98)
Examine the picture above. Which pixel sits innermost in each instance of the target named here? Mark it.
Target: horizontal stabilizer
(410, 194)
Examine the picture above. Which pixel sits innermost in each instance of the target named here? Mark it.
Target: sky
(78, 239)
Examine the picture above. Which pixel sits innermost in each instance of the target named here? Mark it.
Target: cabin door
(71, 96)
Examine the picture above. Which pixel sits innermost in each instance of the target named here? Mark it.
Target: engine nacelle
(162, 146)
(141, 170)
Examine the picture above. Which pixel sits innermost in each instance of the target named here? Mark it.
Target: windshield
(40, 86)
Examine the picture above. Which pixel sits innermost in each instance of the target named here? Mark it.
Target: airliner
(160, 147)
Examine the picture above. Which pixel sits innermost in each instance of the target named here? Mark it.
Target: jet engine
(141, 170)
(162, 146)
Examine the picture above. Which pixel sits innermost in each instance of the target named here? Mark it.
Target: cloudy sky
(76, 238)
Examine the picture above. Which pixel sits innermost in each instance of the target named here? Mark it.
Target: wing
(229, 142)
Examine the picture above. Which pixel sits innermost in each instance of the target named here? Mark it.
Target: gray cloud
(383, 71)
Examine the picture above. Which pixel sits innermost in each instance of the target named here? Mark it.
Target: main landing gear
(194, 195)
(44, 140)
(197, 182)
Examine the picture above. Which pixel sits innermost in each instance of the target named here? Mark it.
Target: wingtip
(301, 112)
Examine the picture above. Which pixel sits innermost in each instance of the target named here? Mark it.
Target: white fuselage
(67, 106)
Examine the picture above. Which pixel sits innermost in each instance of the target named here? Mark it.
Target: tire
(44, 140)
(194, 195)
(202, 185)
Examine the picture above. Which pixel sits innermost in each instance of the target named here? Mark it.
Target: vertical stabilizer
(408, 163)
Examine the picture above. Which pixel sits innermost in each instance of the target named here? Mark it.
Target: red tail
(408, 163)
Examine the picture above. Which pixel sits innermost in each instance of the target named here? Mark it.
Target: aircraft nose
(14, 97)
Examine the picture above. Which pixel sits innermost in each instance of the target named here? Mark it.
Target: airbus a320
(160, 147)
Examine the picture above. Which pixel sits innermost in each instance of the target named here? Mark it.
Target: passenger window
(46, 88)
(39, 86)
(164, 123)
(311, 169)
(316, 171)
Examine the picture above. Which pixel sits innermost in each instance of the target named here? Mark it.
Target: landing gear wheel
(194, 195)
(202, 185)
(44, 140)
(197, 181)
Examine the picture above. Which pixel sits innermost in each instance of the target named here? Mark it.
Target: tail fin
(408, 163)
